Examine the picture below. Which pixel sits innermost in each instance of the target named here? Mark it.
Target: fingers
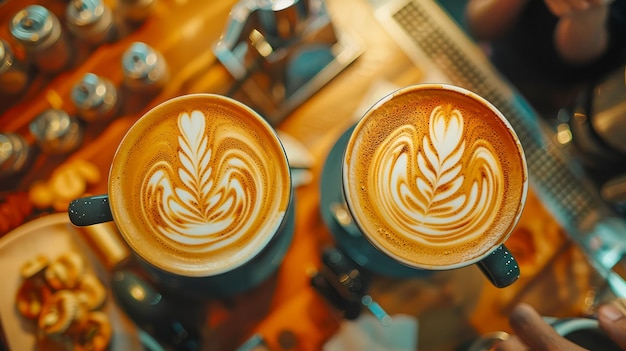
(563, 7)
(566, 7)
(533, 331)
(613, 321)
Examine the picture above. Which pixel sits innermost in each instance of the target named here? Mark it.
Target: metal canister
(14, 154)
(90, 20)
(144, 68)
(39, 32)
(13, 73)
(56, 131)
(95, 98)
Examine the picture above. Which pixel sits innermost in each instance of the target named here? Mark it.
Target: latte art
(199, 186)
(209, 208)
(419, 189)
(434, 176)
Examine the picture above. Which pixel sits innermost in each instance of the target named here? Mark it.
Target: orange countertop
(452, 307)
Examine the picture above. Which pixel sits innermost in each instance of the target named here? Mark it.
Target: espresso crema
(434, 177)
(199, 185)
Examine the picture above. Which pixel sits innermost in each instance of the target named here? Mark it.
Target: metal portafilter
(90, 20)
(39, 32)
(95, 98)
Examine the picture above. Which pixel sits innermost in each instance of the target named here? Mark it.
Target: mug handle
(500, 267)
(90, 210)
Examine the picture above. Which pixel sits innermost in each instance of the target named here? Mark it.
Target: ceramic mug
(200, 189)
(433, 177)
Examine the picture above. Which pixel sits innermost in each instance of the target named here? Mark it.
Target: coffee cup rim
(188, 270)
(472, 95)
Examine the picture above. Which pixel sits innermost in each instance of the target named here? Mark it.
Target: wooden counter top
(453, 307)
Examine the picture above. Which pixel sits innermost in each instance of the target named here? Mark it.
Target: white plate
(51, 236)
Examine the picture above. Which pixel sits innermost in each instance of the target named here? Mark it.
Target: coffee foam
(434, 178)
(199, 185)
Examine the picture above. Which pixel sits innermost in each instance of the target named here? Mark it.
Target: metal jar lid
(56, 132)
(14, 154)
(91, 20)
(35, 27)
(40, 34)
(95, 98)
(144, 68)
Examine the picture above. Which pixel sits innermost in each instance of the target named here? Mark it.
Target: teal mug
(200, 189)
(433, 177)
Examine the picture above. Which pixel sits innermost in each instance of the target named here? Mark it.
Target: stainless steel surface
(39, 31)
(282, 52)
(430, 37)
(95, 98)
(56, 132)
(90, 20)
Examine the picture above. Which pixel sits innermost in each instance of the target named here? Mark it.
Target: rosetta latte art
(201, 204)
(444, 193)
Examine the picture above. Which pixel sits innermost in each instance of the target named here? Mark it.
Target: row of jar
(96, 99)
(39, 34)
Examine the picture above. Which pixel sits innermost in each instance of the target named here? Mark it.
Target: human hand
(612, 319)
(532, 332)
(562, 8)
(581, 34)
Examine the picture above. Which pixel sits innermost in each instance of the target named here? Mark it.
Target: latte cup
(435, 178)
(200, 190)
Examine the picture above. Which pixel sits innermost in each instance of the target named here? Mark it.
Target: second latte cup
(435, 178)
(200, 189)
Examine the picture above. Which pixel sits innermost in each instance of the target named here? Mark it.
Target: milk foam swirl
(444, 193)
(204, 203)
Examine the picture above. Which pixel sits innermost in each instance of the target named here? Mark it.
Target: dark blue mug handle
(90, 210)
(500, 267)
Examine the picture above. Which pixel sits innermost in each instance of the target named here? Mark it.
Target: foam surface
(435, 178)
(199, 186)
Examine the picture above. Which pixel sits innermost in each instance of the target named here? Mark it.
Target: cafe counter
(449, 309)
